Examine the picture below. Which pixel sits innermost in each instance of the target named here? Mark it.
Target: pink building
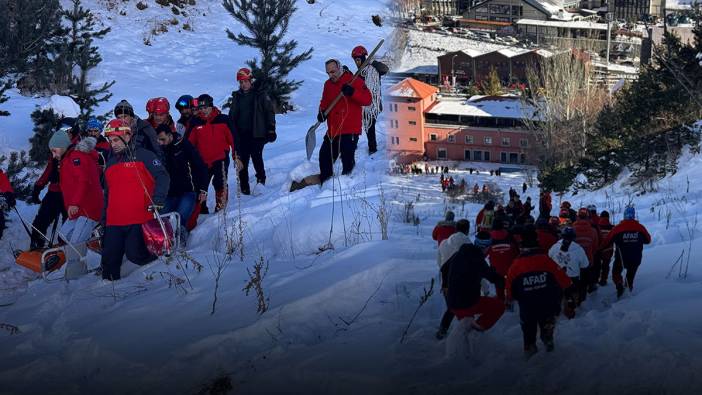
(487, 128)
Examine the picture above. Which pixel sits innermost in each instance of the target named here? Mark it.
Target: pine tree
(4, 86)
(20, 179)
(79, 53)
(266, 22)
(45, 122)
(28, 29)
(492, 86)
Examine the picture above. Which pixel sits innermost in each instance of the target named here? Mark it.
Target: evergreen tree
(266, 22)
(45, 122)
(492, 86)
(78, 53)
(28, 29)
(21, 180)
(4, 86)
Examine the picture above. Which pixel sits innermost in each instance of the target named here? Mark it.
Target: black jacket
(263, 116)
(145, 137)
(462, 274)
(185, 166)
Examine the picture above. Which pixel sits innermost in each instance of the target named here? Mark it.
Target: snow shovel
(311, 139)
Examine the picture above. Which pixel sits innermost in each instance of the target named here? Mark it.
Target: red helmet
(117, 127)
(243, 74)
(158, 105)
(359, 51)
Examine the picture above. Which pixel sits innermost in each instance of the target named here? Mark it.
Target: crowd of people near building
(547, 265)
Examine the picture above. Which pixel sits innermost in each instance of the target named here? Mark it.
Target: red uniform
(49, 176)
(80, 182)
(443, 230)
(547, 238)
(501, 253)
(347, 115)
(5, 183)
(212, 137)
(587, 237)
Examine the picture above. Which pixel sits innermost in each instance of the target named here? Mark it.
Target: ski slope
(335, 317)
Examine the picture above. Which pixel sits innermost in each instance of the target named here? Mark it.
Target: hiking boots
(530, 350)
(549, 345)
(620, 290)
(591, 288)
(441, 333)
(603, 283)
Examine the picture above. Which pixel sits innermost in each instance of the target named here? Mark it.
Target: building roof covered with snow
(507, 106)
(411, 88)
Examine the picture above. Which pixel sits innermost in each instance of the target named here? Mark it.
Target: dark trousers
(618, 268)
(2, 222)
(217, 174)
(121, 240)
(530, 324)
(595, 269)
(49, 211)
(370, 133)
(604, 264)
(344, 145)
(251, 149)
(448, 316)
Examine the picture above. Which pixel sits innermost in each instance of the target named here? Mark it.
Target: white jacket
(573, 260)
(450, 246)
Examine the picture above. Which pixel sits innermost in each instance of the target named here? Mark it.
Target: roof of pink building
(409, 87)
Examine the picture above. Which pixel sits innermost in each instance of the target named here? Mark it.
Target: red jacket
(546, 238)
(587, 237)
(443, 230)
(537, 283)
(5, 183)
(80, 180)
(347, 115)
(605, 229)
(212, 137)
(49, 176)
(502, 252)
(132, 184)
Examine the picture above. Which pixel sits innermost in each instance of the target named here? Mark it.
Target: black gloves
(271, 136)
(321, 117)
(347, 90)
(345, 68)
(35, 195)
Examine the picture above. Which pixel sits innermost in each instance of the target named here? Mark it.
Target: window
(412, 122)
(395, 105)
(466, 154)
(441, 153)
(488, 140)
(469, 139)
(413, 139)
(513, 157)
(412, 108)
(396, 140)
(451, 138)
(522, 158)
(486, 156)
(433, 137)
(396, 124)
(524, 143)
(503, 157)
(506, 141)
(477, 155)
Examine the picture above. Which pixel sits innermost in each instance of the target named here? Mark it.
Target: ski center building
(421, 124)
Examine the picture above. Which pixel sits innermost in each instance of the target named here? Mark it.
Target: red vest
(129, 186)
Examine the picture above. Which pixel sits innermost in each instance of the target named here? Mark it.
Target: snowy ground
(335, 318)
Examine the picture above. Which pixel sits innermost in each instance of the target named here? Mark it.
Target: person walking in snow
(93, 129)
(79, 175)
(159, 109)
(184, 105)
(570, 256)
(485, 217)
(588, 238)
(136, 186)
(606, 252)
(524, 188)
(344, 121)
(188, 174)
(536, 282)
(143, 134)
(253, 118)
(445, 228)
(547, 234)
(371, 74)
(447, 248)
(501, 253)
(212, 136)
(629, 237)
(545, 205)
(7, 199)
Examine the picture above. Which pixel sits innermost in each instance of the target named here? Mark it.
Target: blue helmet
(94, 123)
(568, 233)
(629, 212)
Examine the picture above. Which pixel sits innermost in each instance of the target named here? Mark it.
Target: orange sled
(43, 260)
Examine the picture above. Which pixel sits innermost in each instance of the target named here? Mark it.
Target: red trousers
(490, 310)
